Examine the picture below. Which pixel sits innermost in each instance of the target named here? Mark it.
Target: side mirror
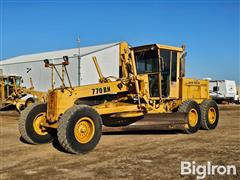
(183, 55)
(46, 62)
(65, 60)
(182, 64)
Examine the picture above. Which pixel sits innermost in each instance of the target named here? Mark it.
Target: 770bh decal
(101, 90)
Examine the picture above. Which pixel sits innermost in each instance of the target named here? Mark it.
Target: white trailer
(81, 72)
(223, 90)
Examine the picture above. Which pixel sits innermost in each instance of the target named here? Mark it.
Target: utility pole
(79, 59)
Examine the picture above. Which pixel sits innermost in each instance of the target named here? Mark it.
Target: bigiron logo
(203, 170)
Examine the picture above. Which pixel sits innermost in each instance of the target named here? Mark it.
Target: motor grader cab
(151, 82)
(162, 66)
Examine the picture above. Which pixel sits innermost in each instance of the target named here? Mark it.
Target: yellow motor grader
(151, 82)
(12, 93)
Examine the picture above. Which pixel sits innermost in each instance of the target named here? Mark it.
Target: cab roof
(160, 46)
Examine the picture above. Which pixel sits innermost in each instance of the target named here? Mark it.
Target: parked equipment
(224, 90)
(151, 82)
(13, 94)
(10, 89)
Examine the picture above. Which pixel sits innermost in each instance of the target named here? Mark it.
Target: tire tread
(204, 109)
(62, 128)
(22, 122)
(184, 108)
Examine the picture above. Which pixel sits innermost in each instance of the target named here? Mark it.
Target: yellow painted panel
(60, 100)
(194, 89)
(174, 90)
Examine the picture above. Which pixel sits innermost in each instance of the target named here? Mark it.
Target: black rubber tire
(30, 100)
(116, 122)
(205, 106)
(67, 122)
(185, 107)
(25, 124)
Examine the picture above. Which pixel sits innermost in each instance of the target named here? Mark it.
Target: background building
(81, 72)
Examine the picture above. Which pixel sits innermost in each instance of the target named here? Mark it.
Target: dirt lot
(122, 155)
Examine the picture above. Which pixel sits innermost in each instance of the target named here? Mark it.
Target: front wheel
(80, 129)
(30, 124)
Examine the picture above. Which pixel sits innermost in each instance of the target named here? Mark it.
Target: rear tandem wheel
(193, 115)
(210, 114)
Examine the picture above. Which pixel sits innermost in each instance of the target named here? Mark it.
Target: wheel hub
(193, 117)
(212, 115)
(84, 130)
(37, 124)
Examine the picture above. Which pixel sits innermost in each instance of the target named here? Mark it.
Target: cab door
(169, 73)
(147, 62)
(165, 56)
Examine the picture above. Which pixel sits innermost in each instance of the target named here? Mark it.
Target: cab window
(18, 82)
(6, 82)
(169, 59)
(147, 61)
(165, 55)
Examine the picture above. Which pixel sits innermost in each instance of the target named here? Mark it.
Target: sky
(209, 29)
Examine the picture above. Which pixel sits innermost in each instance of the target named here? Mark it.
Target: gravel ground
(122, 155)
